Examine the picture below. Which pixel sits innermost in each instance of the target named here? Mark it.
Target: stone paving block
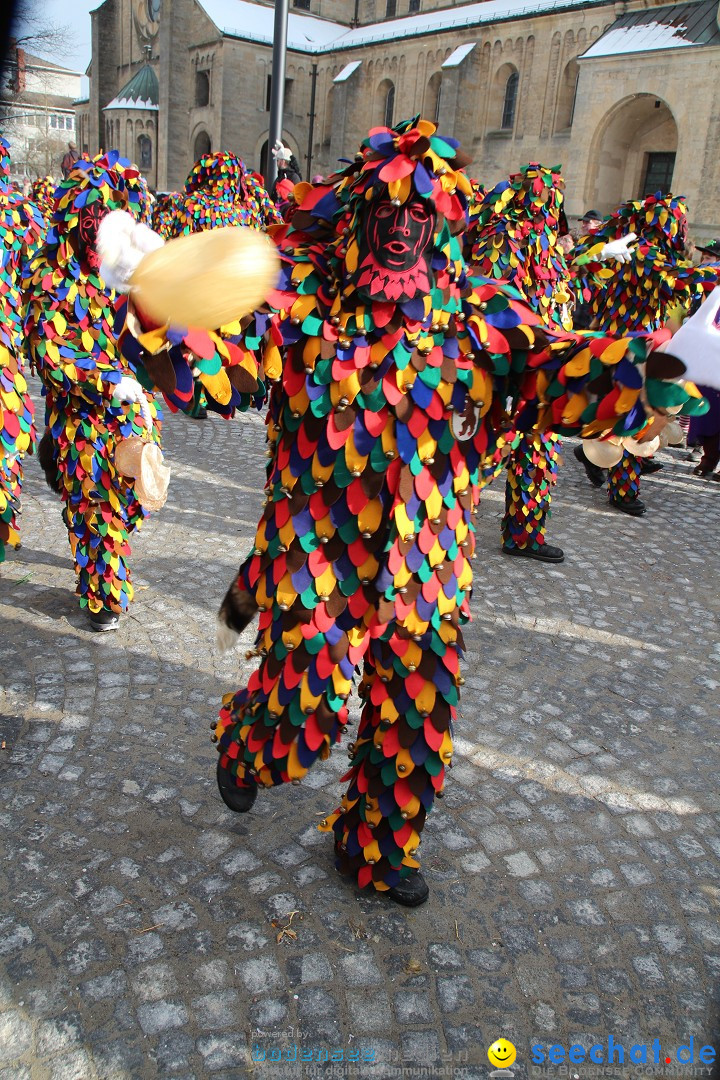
(223, 1052)
(15, 1035)
(412, 1007)
(158, 1016)
(260, 975)
(72, 1066)
(217, 1010)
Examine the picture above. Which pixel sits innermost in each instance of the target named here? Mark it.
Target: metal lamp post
(277, 85)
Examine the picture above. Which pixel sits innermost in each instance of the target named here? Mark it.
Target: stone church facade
(625, 96)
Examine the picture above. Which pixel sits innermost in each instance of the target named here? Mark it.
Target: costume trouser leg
(404, 743)
(100, 507)
(17, 435)
(710, 452)
(10, 488)
(294, 709)
(624, 479)
(531, 474)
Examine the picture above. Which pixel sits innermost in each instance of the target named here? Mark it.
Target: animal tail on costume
(237, 611)
(48, 463)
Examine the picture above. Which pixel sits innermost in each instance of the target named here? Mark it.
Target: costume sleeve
(598, 386)
(232, 364)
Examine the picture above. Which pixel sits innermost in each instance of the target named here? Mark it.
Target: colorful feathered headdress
(658, 220)
(220, 174)
(109, 181)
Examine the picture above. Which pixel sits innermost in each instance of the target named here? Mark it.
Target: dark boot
(237, 799)
(595, 474)
(542, 552)
(103, 620)
(634, 507)
(411, 892)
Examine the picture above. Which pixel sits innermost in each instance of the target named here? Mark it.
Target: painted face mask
(394, 242)
(88, 223)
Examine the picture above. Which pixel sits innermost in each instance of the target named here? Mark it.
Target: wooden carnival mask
(394, 242)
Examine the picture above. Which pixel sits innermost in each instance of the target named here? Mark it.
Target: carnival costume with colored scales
(641, 295)
(21, 231)
(72, 343)
(512, 236)
(381, 357)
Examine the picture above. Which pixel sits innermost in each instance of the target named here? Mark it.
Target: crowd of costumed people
(411, 335)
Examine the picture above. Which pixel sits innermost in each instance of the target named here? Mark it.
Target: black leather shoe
(411, 892)
(648, 466)
(238, 799)
(634, 507)
(595, 474)
(543, 552)
(103, 620)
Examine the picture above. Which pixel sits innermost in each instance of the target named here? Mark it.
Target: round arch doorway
(633, 152)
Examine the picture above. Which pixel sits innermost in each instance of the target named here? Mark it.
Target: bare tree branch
(32, 30)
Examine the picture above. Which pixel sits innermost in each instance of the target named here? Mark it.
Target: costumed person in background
(705, 430)
(640, 297)
(42, 193)
(515, 235)
(287, 170)
(163, 212)
(93, 400)
(382, 356)
(21, 232)
(219, 192)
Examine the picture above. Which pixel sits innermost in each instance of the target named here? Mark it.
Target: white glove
(130, 390)
(697, 343)
(122, 244)
(620, 250)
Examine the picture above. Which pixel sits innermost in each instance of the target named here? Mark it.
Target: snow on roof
(347, 71)
(676, 26)
(130, 103)
(456, 57)
(254, 22)
(306, 33)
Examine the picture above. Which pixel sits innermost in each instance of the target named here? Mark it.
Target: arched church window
(567, 94)
(202, 88)
(389, 105)
(432, 97)
(202, 145)
(510, 102)
(144, 152)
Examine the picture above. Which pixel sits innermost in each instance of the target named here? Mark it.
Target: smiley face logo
(502, 1053)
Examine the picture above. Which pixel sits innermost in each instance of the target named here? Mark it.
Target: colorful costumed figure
(513, 236)
(93, 401)
(42, 194)
(219, 192)
(382, 357)
(639, 296)
(21, 231)
(163, 212)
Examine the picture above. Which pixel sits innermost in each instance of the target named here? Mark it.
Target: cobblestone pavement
(573, 864)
